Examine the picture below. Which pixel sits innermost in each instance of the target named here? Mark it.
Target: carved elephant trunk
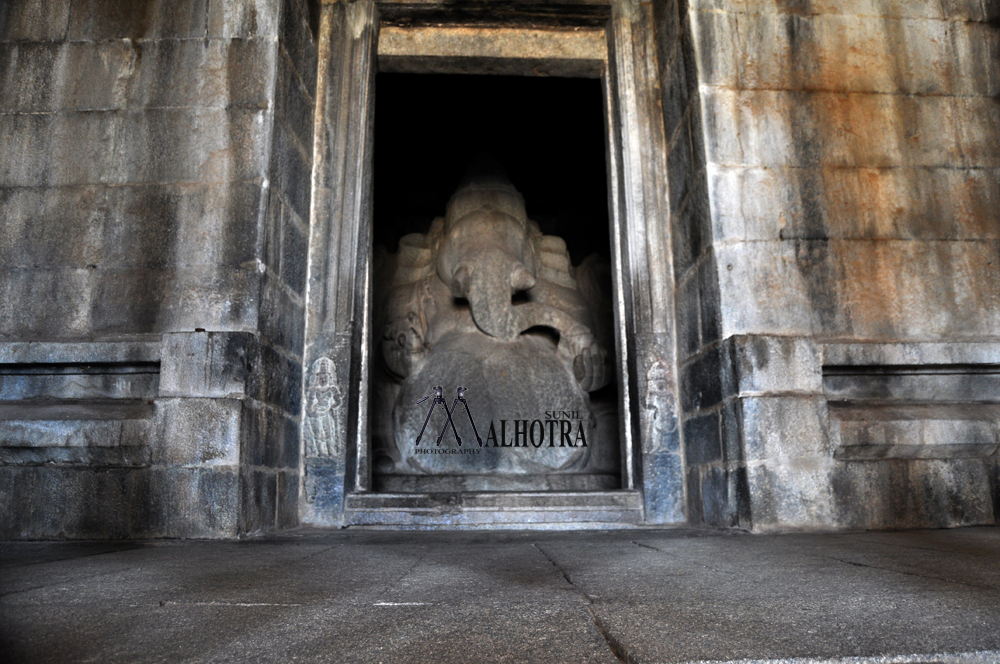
(486, 256)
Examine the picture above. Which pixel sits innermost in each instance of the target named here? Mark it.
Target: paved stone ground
(638, 596)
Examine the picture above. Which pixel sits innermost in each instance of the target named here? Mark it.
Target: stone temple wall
(835, 181)
(154, 187)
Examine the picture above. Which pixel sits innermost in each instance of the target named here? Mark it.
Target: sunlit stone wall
(154, 189)
(835, 173)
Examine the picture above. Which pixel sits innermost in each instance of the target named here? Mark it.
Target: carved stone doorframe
(335, 459)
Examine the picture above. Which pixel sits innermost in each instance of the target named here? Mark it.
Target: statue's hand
(403, 344)
(588, 359)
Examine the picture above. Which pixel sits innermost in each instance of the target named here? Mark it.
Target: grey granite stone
(199, 432)
(207, 364)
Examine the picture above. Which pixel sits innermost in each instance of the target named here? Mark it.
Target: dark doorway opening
(548, 135)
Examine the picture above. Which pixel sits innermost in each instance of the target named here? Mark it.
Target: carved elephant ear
(553, 261)
(415, 259)
(593, 278)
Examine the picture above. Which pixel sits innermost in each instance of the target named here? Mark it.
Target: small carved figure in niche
(322, 430)
(485, 300)
(660, 405)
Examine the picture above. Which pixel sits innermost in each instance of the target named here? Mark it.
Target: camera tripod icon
(439, 400)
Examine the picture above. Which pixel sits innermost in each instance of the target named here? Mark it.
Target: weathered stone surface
(901, 494)
(206, 364)
(765, 364)
(37, 434)
(928, 9)
(870, 289)
(770, 204)
(199, 432)
(120, 147)
(771, 128)
(784, 427)
(847, 53)
(258, 500)
(34, 21)
(42, 77)
(150, 226)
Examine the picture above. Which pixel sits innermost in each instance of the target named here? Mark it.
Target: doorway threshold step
(549, 510)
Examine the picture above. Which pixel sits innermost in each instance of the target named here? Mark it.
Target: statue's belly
(507, 382)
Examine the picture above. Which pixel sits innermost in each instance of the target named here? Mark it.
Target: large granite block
(271, 439)
(195, 73)
(914, 494)
(150, 226)
(34, 21)
(258, 500)
(120, 147)
(690, 233)
(60, 303)
(792, 493)
(297, 41)
(663, 488)
(911, 353)
(294, 255)
(949, 9)
(294, 102)
(199, 432)
(680, 172)
(724, 497)
(846, 53)
(232, 19)
(287, 515)
(206, 364)
(777, 128)
(282, 316)
(94, 20)
(192, 502)
(708, 289)
(767, 364)
(144, 301)
(761, 204)
(784, 427)
(868, 289)
(115, 75)
(106, 503)
(688, 312)
(276, 379)
(701, 381)
(702, 440)
(290, 169)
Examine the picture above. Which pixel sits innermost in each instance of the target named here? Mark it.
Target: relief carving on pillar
(323, 430)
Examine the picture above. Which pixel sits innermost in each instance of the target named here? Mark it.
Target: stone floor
(637, 596)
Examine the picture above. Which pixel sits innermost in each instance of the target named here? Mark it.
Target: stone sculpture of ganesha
(485, 301)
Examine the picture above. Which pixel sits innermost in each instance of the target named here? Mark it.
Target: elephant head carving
(485, 254)
(482, 253)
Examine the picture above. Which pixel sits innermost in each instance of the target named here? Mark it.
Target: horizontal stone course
(82, 302)
(148, 226)
(860, 289)
(768, 128)
(43, 77)
(158, 19)
(141, 146)
(760, 204)
(117, 503)
(843, 53)
(972, 10)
